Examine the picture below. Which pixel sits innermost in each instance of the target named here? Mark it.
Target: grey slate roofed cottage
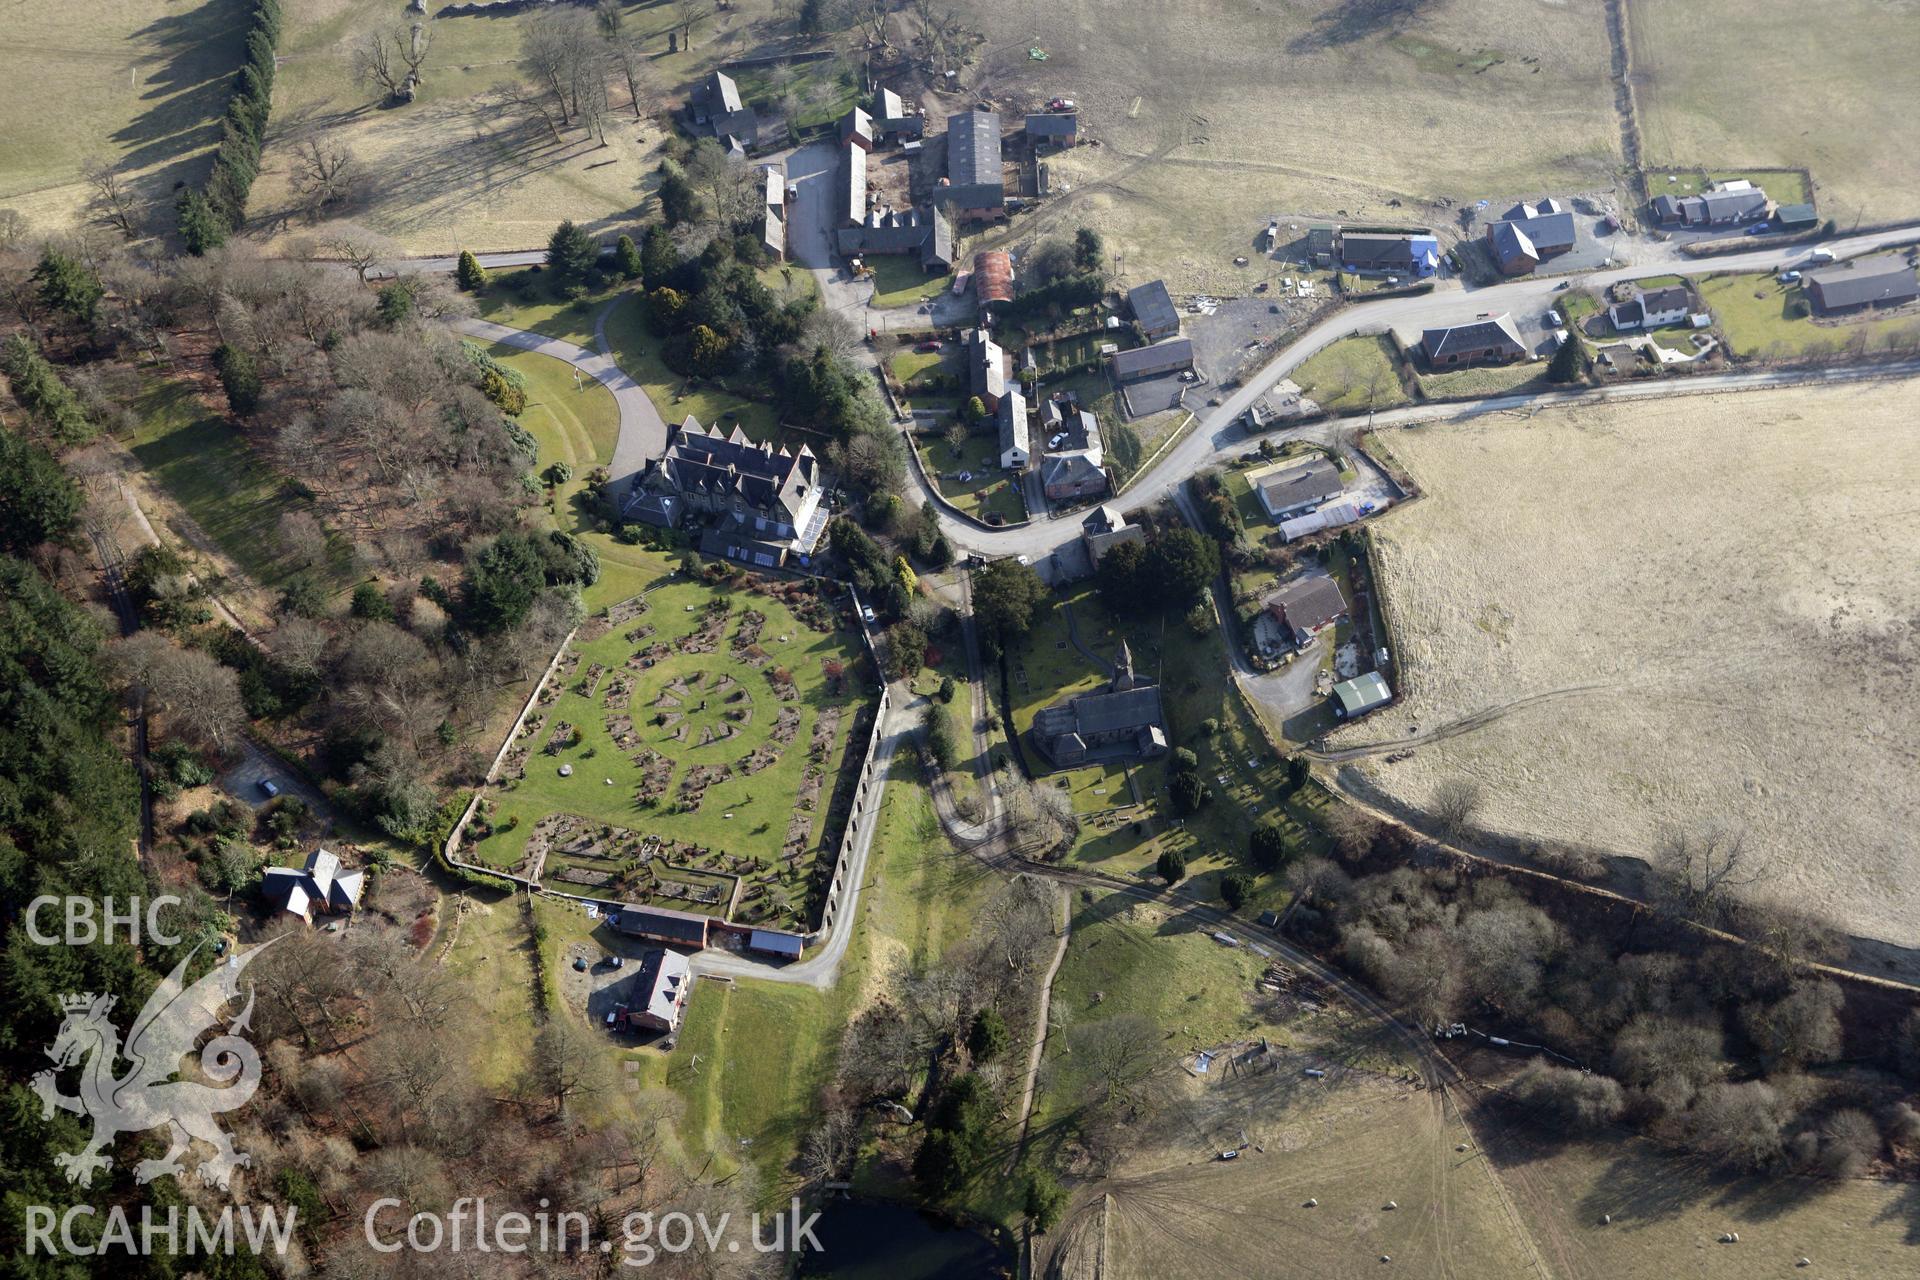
(1881, 280)
(1148, 362)
(1153, 308)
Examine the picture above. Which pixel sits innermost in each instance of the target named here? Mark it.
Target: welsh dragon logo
(147, 1096)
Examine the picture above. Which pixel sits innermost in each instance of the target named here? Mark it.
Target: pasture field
(1353, 1140)
(1314, 107)
(1727, 83)
(459, 167)
(139, 83)
(701, 739)
(1696, 611)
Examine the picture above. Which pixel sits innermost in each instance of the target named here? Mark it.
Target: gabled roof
(1795, 215)
(1510, 244)
(1313, 481)
(1173, 353)
(1668, 298)
(986, 365)
(320, 882)
(1309, 603)
(661, 922)
(1014, 433)
(1104, 518)
(973, 149)
(1362, 693)
(1153, 306)
(1128, 709)
(722, 93)
(776, 942)
(888, 106)
(853, 183)
(661, 986)
(856, 124)
(702, 461)
(1884, 277)
(1477, 336)
(1070, 469)
(1053, 124)
(1385, 248)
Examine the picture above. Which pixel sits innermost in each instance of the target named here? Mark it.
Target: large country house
(760, 505)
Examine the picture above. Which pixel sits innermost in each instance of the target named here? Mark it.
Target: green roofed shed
(1361, 694)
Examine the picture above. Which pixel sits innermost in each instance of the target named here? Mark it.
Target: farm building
(1152, 362)
(986, 368)
(852, 195)
(1120, 722)
(1331, 516)
(1104, 529)
(856, 127)
(773, 232)
(892, 120)
(925, 233)
(1355, 697)
(992, 276)
(1016, 440)
(1401, 252)
(660, 990)
(1153, 310)
(714, 110)
(1288, 491)
(1883, 280)
(1651, 308)
(320, 885)
(773, 942)
(1054, 128)
(1490, 341)
(1529, 235)
(1320, 242)
(662, 924)
(974, 187)
(1307, 606)
(1795, 217)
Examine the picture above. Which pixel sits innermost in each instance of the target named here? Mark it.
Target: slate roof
(705, 462)
(1668, 298)
(1309, 603)
(853, 184)
(973, 149)
(986, 366)
(1053, 124)
(1666, 209)
(321, 883)
(661, 986)
(926, 232)
(1511, 244)
(1073, 469)
(1385, 250)
(1175, 353)
(1311, 482)
(1014, 433)
(1795, 215)
(680, 927)
(1105, 518)
(856, 124)
(1477, 336)
(1885, 277)
(1153, 307)
(887, 105)
(716, 108)
(774, 942)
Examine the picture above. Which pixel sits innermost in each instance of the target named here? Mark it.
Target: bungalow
(1307, 606)
(320, 886)
(1152, 362)
(1490, 341)
(660, 924)
(1053, 129)
(1016, 440)
(1104, 529)
(660, 990)
(1884, 280)
(974, 187)
(986, 368)
(1651, 308)
(1153, 310)
(1396, 252)
(1529, 235)
(1724, 205)
(714, 110)
(1288, 491)
(1355, 697)
(992, 276)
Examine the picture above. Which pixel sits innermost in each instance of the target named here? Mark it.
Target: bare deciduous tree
(827, 1150)
(359, 247)
(691, 13)
(1114, 1058)
(112, 201)
(560, 50)
(325, 175)
(1454, 803)
(375, 62)
(1699, 870)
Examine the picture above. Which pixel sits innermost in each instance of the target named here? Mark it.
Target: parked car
(931, 344)
(1553, 320)
(1757, 228)
(1788, 277)
(269, 788)
(1368, 508)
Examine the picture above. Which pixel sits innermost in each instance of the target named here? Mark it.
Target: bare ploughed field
(1708, 609)
(1214, 115)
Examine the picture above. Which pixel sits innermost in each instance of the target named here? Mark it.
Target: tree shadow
(1352, 21)
(199, 51)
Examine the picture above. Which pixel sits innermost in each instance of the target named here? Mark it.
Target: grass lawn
(1353, 373)
(1489, 380)
(1762, 317)
(743, 819)
(638, 353)
(1195, 688)
(492, 961)
(988, 491)
(898, 281)
(910, 364)
(238, 500)
(1783, 186)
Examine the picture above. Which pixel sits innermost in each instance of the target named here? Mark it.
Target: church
(1120, 722)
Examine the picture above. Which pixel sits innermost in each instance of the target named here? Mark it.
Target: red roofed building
(992, 276)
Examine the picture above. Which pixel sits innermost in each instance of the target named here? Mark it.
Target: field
(1737, 82)
(1694, 611)
(690, 761)
(1353, 373)
(136, 82)
(1762, 317)
(1487, 380)
(458, 168)
(1353, 1141)
(1379, 103)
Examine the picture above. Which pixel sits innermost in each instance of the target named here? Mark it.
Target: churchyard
(686, 753)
